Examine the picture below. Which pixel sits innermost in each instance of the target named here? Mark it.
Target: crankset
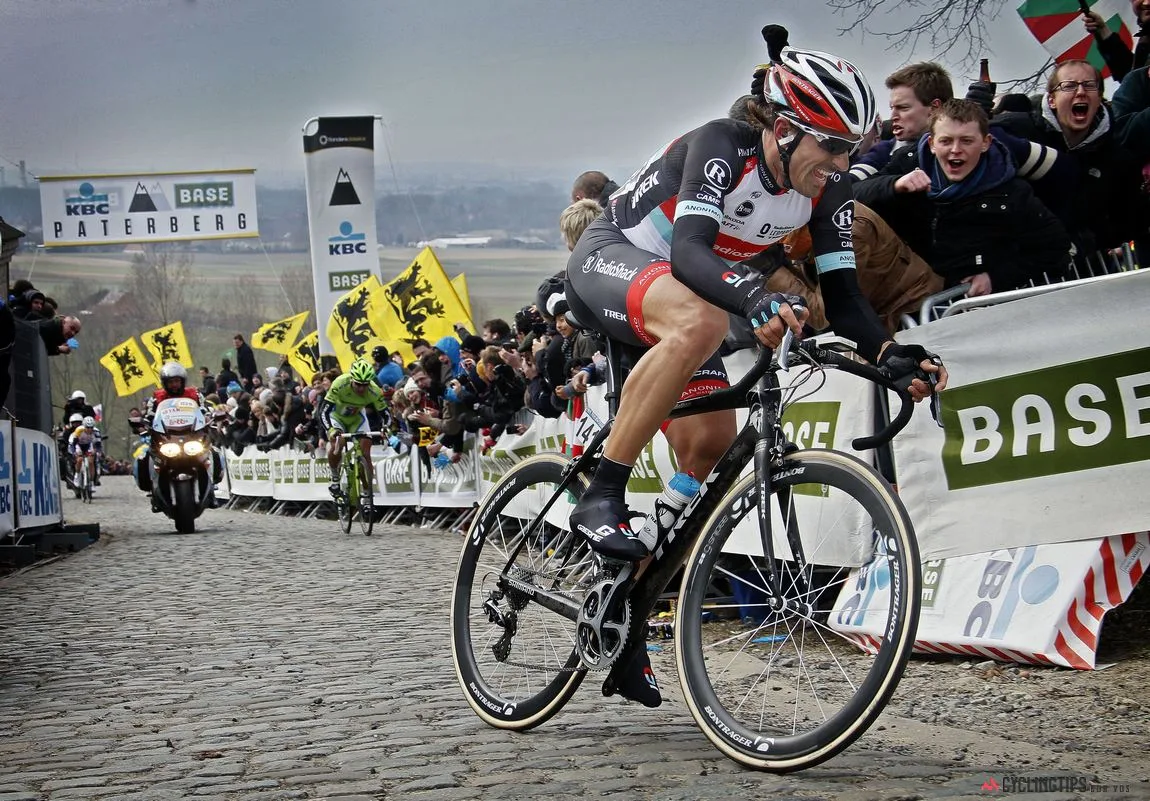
(605, 617)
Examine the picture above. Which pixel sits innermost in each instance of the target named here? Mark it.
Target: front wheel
(785, 683)
(183, 495)
(348, 494)
(520, 582)
(366, 498)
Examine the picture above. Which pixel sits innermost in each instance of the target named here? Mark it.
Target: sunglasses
(835, 145)
(359, 384)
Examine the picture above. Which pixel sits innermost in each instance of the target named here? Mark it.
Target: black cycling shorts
(607, 279)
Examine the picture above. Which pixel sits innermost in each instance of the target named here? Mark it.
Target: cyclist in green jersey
(353, 405)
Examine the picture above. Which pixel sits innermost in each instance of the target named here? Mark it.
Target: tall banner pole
(340, 175)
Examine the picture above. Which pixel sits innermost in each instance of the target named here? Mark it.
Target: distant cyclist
(354, 405)
(84, 443)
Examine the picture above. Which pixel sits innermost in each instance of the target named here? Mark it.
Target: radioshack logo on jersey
(347, 241)
(88, 200)
(611, 269)
(718, 172)
(844, 216)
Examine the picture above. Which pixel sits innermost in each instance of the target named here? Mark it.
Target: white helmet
(173, 370)
(89, 422)
(76, 418)
(821, 94)
(79, 395)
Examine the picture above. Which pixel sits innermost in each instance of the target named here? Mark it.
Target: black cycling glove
(901, 364)
(762, 306)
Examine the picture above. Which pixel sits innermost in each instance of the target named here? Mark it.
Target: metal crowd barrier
(1094, 267)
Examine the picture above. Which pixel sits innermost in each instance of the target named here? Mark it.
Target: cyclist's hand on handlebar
(774, 313)
(914, 368)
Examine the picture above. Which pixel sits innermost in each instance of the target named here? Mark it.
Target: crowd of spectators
(991, 192)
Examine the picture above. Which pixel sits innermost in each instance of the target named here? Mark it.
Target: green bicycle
(356, 496)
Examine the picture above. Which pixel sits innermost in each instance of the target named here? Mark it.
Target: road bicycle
(766, 666)
(83, 477)
(356, 496)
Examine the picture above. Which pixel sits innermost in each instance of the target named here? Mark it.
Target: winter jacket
(1106, 207)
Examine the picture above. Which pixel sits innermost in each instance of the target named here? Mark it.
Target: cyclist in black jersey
(655, 271)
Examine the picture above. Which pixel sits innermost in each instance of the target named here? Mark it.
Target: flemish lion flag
(168, 344)
(351, 329)
(304, 357)
(129, 368)
(1057, 25)
(421, 303)
(280, 336)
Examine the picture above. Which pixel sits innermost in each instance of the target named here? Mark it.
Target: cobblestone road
(274, 658)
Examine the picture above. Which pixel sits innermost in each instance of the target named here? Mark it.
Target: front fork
(771, 447)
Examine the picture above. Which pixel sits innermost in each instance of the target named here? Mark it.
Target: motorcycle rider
(173, 384)
(78, 404)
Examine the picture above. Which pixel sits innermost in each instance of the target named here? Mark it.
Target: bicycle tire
(85, 481)
(345, 504)
(753, 666)
(541, 670)
(366, 498)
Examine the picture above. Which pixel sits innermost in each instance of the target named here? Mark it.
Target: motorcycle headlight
(170, 449)
(193, 447)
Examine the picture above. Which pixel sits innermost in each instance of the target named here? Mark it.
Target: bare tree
(958, 29)
(162, 282)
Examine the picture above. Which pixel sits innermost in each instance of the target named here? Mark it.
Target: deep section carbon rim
(515, 658)
(786, 689)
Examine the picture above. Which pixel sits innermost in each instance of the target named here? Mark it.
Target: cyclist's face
(358, 388)
(812, 167)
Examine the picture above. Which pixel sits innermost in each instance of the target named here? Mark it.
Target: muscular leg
(688, 330)
(699, 440)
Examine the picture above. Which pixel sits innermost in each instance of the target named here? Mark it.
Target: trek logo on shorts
(611, 269)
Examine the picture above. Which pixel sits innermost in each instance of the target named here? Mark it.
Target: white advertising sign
(1047, 422)
(7, 496)
(339, 162)
(37, 501)
(125, 208)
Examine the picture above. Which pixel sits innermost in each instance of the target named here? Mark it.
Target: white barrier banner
(456, 484)
(339, 160)
(397, 479)
(7, 515)
(1047, 419)
(125, 208)
(250, 473)
(37, 465)
(297, 476)
(1041, 604)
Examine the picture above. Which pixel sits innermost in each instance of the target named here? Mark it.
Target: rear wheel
(514, 657)
(785, 683)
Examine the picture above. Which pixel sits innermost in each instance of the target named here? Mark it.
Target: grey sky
(210, 84)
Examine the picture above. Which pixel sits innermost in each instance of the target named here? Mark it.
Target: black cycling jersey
(707, 201)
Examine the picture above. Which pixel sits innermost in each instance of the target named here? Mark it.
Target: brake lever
(935, 398)
(783, 352)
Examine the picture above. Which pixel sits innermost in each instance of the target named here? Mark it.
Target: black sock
(610, 479)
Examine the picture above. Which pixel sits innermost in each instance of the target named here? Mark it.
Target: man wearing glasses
(353, 405)
(655, 272)
(1103, 205)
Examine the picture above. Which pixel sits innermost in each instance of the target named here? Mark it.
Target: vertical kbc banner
(7, 517)
(340, 175)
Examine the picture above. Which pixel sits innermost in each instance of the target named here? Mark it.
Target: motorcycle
(181, 465)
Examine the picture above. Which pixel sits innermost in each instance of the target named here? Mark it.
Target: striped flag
(1058, 26)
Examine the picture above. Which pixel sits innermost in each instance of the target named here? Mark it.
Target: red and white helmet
(821, 93)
